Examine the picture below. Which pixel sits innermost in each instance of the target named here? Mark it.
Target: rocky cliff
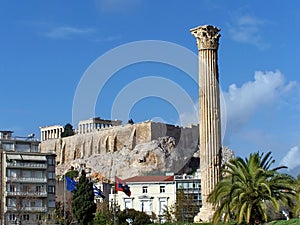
(155, 157)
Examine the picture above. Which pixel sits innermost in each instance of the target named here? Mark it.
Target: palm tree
(296, 209)
(248, 184)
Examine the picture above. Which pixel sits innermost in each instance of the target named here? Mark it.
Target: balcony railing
(27, 165)
(26, 209)
(26, 193)
(27, 179)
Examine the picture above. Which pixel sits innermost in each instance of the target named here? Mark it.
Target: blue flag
(71, 184)
(98, 192)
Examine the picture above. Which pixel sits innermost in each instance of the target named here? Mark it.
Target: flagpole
(64, 200)
(115, 203)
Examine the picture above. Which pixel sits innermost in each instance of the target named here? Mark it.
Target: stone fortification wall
(112, 139)
(106, 140)
(185, 137)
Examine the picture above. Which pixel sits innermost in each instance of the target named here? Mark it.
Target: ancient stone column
(210, 124)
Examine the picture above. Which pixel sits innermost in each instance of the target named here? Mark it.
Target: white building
(148, 194)
(152, 194)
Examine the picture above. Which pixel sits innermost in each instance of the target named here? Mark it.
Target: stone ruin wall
(113, 139)
(108, 139)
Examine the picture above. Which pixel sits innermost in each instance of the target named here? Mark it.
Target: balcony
(26, 165)
(26, 209)
(27, 194)
(26, 179)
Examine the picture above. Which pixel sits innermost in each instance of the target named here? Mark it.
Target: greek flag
(98, 192)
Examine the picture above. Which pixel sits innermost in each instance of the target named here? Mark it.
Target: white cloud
(291, 159)
(247, 29)
(188, 118)
(67, 32)
(242, 102)
(266, 91)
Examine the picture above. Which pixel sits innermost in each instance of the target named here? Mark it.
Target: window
(12, 217)
(23, 147)
(162, 189)
(146, 205)
(13, 173)
(38, 189)
(51, 203)
(51, 189)
(25, 217)
(51, 175)
(34, 148)
(8, 146)
(37, 174)
(145, 189)
(26, 173)
(26, 188)
(51, 161)
(128, 203)
(38, 216)
(38, 203)
(12, 202)
(163, 203)
(12, 188)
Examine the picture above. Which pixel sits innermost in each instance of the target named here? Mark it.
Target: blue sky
(46, 47)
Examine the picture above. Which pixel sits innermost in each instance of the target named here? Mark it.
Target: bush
(137, 217)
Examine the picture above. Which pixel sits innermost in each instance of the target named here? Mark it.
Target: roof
(150, 179)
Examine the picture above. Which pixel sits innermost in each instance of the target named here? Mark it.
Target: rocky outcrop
(155, 157)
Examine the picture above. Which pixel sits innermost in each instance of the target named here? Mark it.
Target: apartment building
(191, 201)
(27, 181)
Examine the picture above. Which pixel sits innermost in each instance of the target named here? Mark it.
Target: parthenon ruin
(51, 132)
(93, 124)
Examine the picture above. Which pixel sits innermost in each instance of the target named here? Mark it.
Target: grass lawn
(285, 222)
(277, 222)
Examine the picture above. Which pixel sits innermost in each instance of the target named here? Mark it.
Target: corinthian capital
(207, 37)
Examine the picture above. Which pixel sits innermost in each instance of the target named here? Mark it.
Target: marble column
(209, 107)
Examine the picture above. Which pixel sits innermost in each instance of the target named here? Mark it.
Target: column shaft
(210, 125)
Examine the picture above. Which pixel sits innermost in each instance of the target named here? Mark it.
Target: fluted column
(210, 124)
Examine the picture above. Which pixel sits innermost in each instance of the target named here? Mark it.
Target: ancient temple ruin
(209, 107)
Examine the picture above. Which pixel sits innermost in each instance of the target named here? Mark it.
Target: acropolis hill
(113, 149)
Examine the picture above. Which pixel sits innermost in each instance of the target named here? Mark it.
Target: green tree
(100, 219)
(130, 121)
(248, 185)
(63, 216)
(83, 204)
(167, 213)
(137, 217)
(68, 131)
(104, 215)
(72, 174)
(180, 205)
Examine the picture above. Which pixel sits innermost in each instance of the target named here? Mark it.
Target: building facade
(27, 182)
(191, 198)
(149, 194)
(154, 194)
